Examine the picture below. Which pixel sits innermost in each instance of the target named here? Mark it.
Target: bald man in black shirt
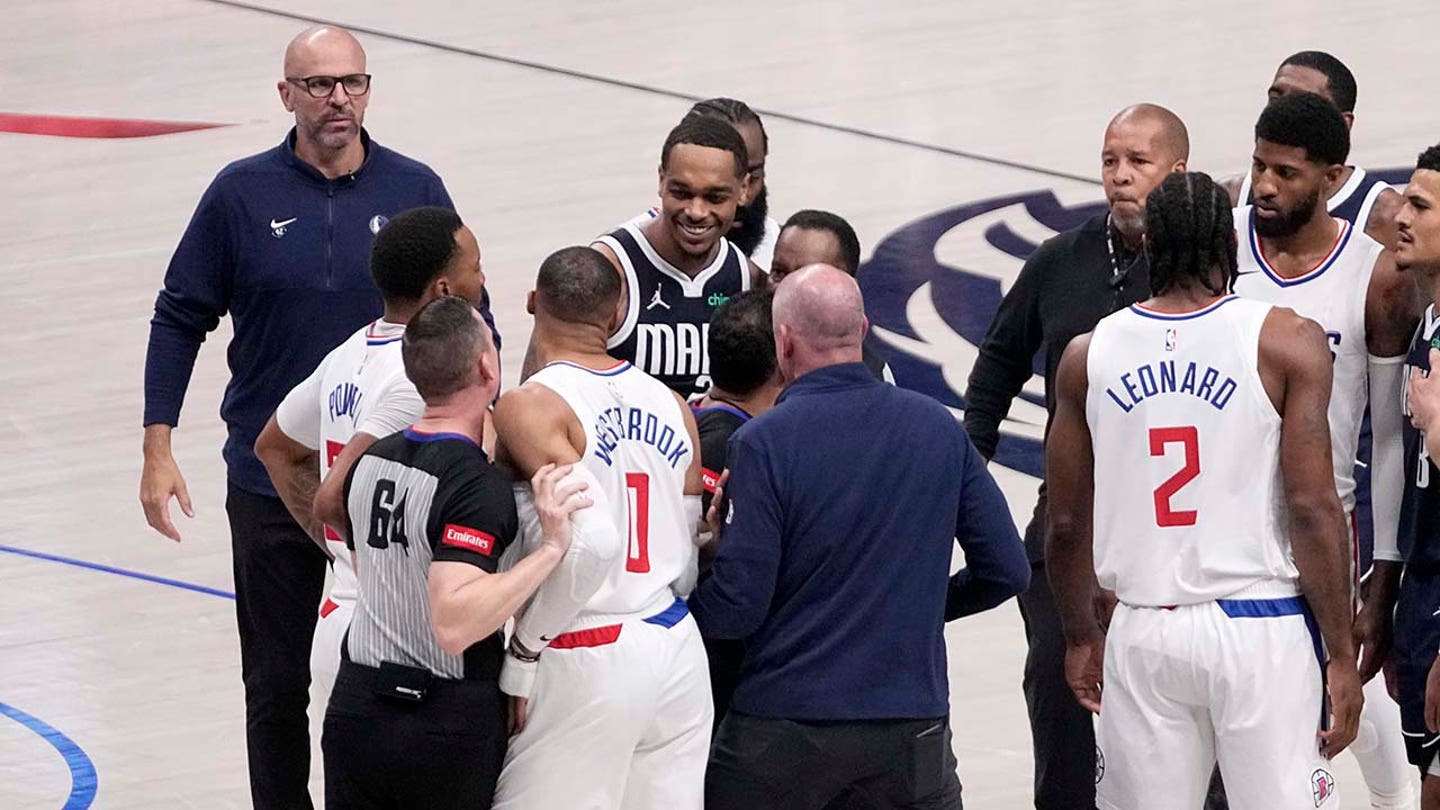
(1069, 284)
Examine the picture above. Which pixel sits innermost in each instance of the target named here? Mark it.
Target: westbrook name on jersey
(666, 331)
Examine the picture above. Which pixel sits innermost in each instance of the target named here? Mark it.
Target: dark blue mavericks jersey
(666, 331)
(1420, 507)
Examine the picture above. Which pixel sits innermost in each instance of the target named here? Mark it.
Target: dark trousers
(386, 754)
(1061, 731)
(279, 580)
(758, 763)
(726, 655)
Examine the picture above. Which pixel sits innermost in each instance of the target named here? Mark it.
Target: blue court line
(83, 779)
(661, 91)
(124, 572)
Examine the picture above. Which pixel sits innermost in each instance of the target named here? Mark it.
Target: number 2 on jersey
(1189, 438)
(637, 488)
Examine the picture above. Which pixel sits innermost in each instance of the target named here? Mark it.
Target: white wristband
(517, 677)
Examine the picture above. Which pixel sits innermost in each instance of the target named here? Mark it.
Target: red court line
(66, 126)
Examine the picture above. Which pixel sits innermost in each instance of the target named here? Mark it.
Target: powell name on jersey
(666, 331)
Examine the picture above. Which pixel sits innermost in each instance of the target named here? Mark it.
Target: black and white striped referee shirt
(411, 499)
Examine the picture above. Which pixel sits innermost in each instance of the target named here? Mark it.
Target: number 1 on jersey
(1189, 438)
(637, 488)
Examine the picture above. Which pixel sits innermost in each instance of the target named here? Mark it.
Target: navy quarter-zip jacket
(846, 501)
(285, 252)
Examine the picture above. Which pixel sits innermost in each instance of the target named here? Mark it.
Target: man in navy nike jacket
(845, 502)
(280, 242)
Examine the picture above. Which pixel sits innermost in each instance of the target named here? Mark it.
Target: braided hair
(1189, 232)
(732, 112)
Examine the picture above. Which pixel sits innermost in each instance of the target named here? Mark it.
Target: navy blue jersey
(1420, 506)
(666, 332)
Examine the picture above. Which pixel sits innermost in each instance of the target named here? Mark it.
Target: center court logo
(932, 287)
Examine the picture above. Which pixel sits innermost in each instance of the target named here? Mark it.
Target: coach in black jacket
(1065, 288)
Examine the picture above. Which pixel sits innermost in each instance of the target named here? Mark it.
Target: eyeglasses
(356, 84)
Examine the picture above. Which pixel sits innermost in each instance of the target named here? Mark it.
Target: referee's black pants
(279, 580)
(757, 763)
(444, 752)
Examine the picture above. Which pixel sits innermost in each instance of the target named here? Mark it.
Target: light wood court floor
(545, 120)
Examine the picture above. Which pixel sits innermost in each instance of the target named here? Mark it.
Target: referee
(416, 718)
(1065, 288)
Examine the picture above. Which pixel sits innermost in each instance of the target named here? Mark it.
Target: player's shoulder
(395, 447)
(1285, 330)
(353, 346)
(389, 161)
(532, 398)
(237, 172)
(1061, 247)
(1359, 242)
(717, 419)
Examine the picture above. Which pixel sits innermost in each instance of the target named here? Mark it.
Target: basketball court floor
(954, 135)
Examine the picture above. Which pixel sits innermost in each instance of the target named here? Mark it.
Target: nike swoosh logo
(275, 225)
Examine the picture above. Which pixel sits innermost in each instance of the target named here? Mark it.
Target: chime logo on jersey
(681, 349)
(1322, 786)
(618, 424)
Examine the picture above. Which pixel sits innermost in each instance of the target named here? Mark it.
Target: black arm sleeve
(473, 519)
(1006, 355)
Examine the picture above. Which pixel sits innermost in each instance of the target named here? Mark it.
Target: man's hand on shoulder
(534, 427)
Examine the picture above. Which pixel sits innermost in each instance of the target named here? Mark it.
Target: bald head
(321, 45)
(1143, 144)
(821, 307)
(1166, 130)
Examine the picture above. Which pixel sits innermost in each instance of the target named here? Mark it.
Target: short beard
(749, 229)
(1128, 226)
(1289, 222)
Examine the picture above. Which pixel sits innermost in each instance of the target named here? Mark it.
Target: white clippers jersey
(1188, 499)
(360, 387)
(637, 447)
(1333, 295)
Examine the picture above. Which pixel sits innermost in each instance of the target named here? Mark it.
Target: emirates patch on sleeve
(468, 539)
